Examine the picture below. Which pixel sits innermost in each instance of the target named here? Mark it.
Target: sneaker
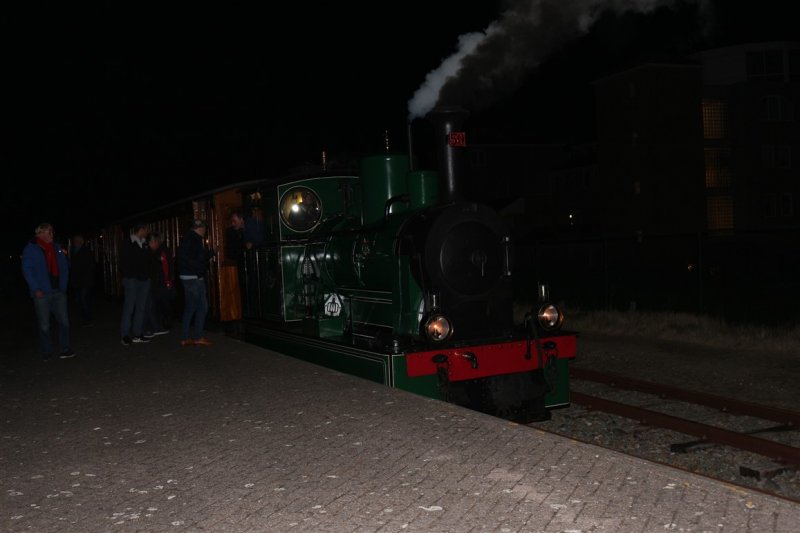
(187, 342)
(126, 341)
(66, 354)
(46, 357)
(147, 335)
(202, 341)
(161, 332)
(139, 340)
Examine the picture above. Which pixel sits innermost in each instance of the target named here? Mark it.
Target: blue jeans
(52, 303)
(195, 304)
(134, 305)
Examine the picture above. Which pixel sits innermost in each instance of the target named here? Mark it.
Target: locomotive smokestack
(451, 141)
(411, 163)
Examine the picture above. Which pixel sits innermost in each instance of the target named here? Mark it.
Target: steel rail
(783, 416)
(776, 451)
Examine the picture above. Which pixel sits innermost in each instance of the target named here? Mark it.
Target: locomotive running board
(384, 368)
(323, 352)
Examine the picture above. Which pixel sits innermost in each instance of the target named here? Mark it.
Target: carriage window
(301, 209)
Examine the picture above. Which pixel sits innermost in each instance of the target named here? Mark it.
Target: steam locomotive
(387, 274)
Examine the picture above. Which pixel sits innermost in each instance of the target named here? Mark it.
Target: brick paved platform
(235, 438)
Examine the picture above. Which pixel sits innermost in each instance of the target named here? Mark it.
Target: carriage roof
(242, 185)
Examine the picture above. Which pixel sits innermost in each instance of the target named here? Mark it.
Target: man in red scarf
(46, 271)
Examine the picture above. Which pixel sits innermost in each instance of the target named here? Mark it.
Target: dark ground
(236, 438)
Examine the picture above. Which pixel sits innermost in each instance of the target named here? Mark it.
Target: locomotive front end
(461, 256)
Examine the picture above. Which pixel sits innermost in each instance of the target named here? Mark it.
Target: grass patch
(685, 327)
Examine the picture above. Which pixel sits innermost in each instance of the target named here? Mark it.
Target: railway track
(706, 433)
(664, 411)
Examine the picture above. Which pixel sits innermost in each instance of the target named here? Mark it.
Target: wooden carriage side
(172, 221)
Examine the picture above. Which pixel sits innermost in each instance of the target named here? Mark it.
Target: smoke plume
(496, 59)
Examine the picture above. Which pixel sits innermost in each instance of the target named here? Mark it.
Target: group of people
(148, 281)
(148, 286)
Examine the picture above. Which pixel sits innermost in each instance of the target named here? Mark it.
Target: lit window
(301, 209)
(720, 213)
(718, 168)
(715, 119)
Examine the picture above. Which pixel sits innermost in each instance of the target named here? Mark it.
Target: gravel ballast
(768, 378)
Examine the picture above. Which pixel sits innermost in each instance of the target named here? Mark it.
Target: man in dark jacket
(236, 245)
(81, 279)
(46, 270)
(235, 242)
(192, 258)
(133, 265)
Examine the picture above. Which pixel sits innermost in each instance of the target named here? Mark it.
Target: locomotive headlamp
(301, 209)
(438, 328)
(550, 316)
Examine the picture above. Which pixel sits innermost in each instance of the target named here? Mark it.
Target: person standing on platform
(133, 265)
(235, 245)
(46, 271)
(162, 290)
(192, 263)
(81, 277)
(235, 242)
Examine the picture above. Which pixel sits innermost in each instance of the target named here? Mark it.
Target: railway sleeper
(764, 471)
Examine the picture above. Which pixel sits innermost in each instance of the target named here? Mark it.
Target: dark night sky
(112, 109)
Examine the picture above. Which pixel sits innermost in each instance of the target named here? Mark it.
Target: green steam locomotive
(392, 276)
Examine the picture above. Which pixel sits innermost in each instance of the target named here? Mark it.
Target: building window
(771, 108)
(794, 65)
(720, 213)
(783, 156)
(770, 201)
(478, 158)
(787, 205)
(776, 108)
(715, 119)
(768, 155)
(718, 167)
(765, 65)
